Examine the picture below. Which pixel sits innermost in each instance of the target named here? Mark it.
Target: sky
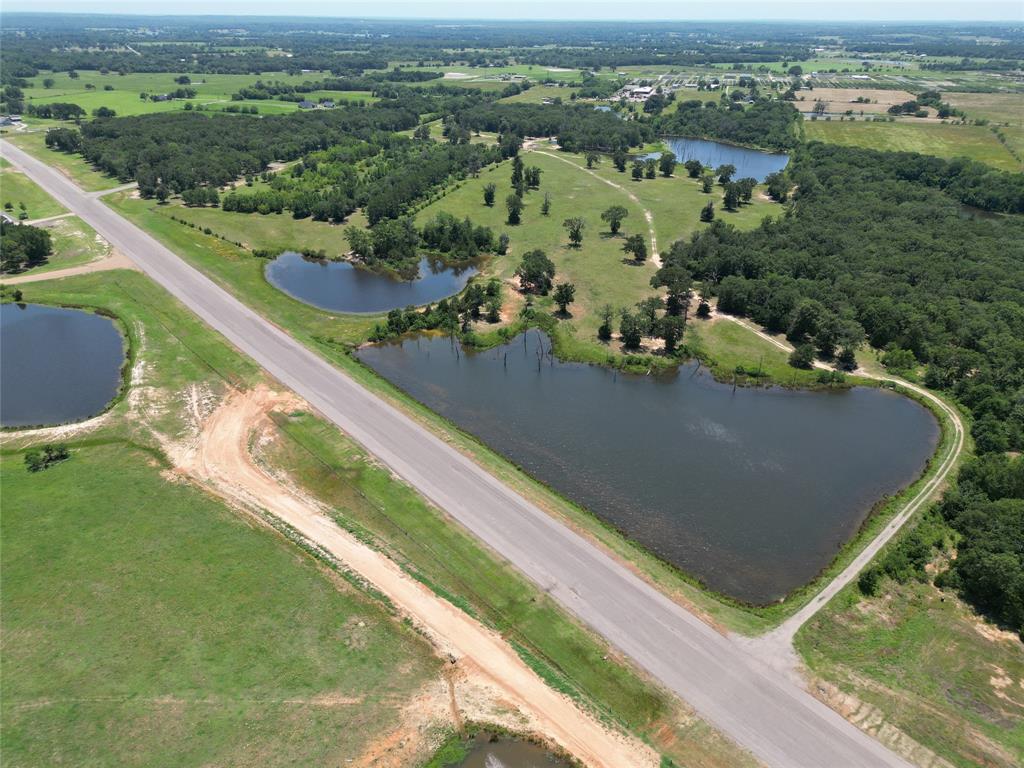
(808, 10)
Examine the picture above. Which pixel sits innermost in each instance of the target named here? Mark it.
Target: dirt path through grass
(221, 459)
(648, 216)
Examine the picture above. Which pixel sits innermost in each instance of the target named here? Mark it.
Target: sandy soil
(219, 457)
(115, 260)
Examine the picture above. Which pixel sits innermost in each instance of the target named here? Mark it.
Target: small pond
(749, 162)
(56, 365)
(751, 490)
(500, 753)
(339, 286)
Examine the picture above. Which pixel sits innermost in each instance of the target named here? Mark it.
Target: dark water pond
(508, 754)
(339, 286)
(752, 490)
(56, 365)
(748, 162)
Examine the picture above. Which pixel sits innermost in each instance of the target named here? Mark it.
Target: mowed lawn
(17, 189)
(75, 167)
(942, 140)
(146, 624)
(600, 270)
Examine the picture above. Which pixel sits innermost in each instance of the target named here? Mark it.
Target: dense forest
(771, 124)
(183, 150)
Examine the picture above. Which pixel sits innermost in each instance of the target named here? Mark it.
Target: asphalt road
(758, 707)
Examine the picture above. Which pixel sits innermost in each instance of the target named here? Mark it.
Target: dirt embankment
(489, 679)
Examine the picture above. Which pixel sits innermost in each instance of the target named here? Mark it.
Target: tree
(731, 198)
(489, 190)
(545, 207)
(604, 331)
(725, 172)
(667, 163)
(514, 204)
(678, 283)
(422, 133)
(613, 216)
(49, 82)
(746, 188)
(593, 159)
(707, 213)
(103, 112)
(707, 184)
(565, 294)
(631, 330)
(533, 177)
(638, 170)
(619, 160)
(503, 241)
(575, 226)
(694, 168)
(637, 246)
(802, 356)
(535, 272)
(517, 172)
(650, 168)
(670, 329)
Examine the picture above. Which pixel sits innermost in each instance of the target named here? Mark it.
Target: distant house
(327, 104)
(160, 97)
(306, 104)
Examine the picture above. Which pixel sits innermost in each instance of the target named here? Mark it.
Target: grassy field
(74, 243)
(538, 93)
(920, 660)
(941, 140)
(728, 345)
(72, 166)
(274, 232)
(997, 107)
(168, 631)
(16, 189)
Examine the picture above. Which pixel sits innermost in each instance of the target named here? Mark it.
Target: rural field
(942, 140)
(768, 472)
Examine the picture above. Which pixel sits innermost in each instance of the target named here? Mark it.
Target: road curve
(759, 708)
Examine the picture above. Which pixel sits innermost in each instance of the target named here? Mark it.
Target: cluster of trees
(200, 196)
(23, 246)
(184, 150)
(460, 239)
(766, 123)
(449, 315)
(986, 510)
(873, 249)
(579, 127)
(56, 110)
(38, 459)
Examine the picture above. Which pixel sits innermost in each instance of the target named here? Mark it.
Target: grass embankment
(16, 190)
(145, 623)
(919, 659)
(942, 140)
(726, 347)
(389, 515)
(75, 167)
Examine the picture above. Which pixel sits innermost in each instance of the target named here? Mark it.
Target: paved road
(758, 707)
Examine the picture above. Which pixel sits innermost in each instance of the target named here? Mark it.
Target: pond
(56, 365)
(340, 286)
(749, 162)
(487, 753)
(753, 491)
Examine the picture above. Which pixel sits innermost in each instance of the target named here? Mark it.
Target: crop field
(919, 659)
(997, 107)
(842, 99)
(939, 139)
